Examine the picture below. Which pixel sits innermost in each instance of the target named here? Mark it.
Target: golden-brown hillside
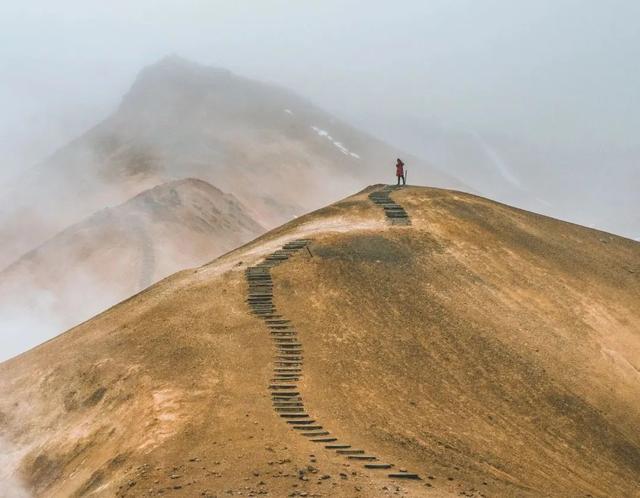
(491, 351)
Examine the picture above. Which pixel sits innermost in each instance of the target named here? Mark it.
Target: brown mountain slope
(492, 351)
(115, 253)
(278, 153)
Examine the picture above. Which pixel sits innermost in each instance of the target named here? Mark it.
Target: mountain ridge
(475, 346)
(117, 252)
(264, 144)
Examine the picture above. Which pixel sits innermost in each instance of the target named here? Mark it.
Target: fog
(12, 486)
(550, 72)
(534, 103)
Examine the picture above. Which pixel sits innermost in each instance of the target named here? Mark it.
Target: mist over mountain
(276, 152)
(200, 297)
(115, 253)
(592, 186)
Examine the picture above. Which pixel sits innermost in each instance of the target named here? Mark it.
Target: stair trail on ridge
(394, 212)
(288, 363)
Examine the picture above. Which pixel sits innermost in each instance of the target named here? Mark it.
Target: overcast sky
(547, 71)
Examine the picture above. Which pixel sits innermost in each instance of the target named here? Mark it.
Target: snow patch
(289, 111)
(320, 131)
(342, 148)
(339, 145)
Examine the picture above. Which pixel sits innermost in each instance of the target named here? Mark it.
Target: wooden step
(377, 465)
(404, 475)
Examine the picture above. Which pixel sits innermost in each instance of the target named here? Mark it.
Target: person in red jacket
(400, 172)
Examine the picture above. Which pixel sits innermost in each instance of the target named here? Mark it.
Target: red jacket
(400, 169)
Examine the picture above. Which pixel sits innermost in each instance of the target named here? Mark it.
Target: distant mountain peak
(179, 68)
(173, 77)
(175, 60)
(176, 64)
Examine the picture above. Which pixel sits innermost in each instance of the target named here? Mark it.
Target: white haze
(552, 72)
(543, 94)
(11, 486)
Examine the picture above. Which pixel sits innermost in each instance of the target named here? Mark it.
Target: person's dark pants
(403, 182)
